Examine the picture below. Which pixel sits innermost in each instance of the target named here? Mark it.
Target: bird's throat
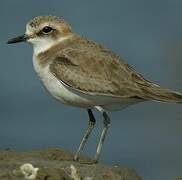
(42, 45)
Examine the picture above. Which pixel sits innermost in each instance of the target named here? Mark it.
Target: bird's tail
(155, 92)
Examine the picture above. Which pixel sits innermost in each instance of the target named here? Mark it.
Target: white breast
(58, 89)
(67, 95)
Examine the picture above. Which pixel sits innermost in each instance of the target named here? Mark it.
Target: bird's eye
(47, 29)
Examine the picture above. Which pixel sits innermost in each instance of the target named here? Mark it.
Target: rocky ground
(57, 164)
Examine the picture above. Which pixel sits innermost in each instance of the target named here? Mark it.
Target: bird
(80, 72)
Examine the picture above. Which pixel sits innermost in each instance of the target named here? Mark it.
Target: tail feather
(155, 92)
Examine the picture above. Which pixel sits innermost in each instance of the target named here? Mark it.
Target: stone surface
(55, 164)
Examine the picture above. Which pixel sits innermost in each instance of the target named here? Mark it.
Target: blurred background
(147, 34)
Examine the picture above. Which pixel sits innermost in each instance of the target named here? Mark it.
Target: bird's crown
(53, 22)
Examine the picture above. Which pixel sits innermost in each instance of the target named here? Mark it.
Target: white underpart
(68, 95)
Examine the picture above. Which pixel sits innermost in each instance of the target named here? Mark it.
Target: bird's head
(44, 31)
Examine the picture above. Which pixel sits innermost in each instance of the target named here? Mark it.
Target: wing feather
(91, 68)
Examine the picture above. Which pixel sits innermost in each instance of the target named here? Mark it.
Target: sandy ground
(57, 164)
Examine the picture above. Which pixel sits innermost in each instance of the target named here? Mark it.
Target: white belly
(57, 89)
(67, 95)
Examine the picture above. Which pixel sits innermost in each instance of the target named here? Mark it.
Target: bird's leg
(87, 133)
(106, 123)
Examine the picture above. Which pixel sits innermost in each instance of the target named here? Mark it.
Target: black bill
(18, 39)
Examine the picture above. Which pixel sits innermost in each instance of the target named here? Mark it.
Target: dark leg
(106, 123)
(87, 133)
